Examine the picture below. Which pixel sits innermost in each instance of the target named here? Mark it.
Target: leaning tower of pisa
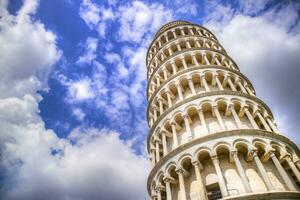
(210, 136)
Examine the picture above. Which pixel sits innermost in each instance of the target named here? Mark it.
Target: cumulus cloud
(90, 13)
(138, 18)
(81, 90)
(268, 53)
(22, 70)
(95, 16)
(95, 167)
(90, 51)
(36, 163)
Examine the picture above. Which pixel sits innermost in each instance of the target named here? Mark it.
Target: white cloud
(268, 53)
(90, 51)
(95, 16)
(79, 114)
(138, 19)
(90, 13)
(37, 164)
(81, 90)
(186, 7)
(252, 7)
(27, 52)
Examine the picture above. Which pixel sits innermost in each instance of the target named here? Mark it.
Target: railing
(214, 195)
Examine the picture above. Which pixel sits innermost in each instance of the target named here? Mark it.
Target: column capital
(156, 139)
(173, 123)
(202, 75)
(287, 157)
(214, 158)
(186, 116)
(159, 187)
(234, 153)
(197, 163)
(252, 152)
(177, 83)
(179, 170)
(172, 62)
(200, 109)
(245, 108)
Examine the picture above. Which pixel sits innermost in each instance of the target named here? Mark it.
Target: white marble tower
(210, 137)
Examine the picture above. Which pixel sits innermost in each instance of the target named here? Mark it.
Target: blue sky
(73, 86)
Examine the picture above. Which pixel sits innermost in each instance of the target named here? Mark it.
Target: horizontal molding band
(183, 23)
(188, 50)
(198, 96)
(230, 133)
(207, 67)
(181, 37)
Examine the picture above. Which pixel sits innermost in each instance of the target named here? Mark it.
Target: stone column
(197, 43)
(168, 188)
(162, 56)
(166, 37)
(218, 82)
(221, 180)
(164, 142)
(262, 171)
(174, 68)
(231, 85)
(236, 117)
(219, 118)
(178, 47)
(204, 83)
(158, 193)
(201, 187)
(187, 43)
(181, 184)
(202, 120)
(241, 86)
(191, 31)
(182, 31)
(159, 43)
(195, 59)
(155, 114)
(251, 119)
(170, 50)
(174, 34)
(292, 166)
(191, 85)
(179, 91)
(165, 74)
(199, 32)
(174, 134)
(272, 125)
(187, 126)
(152, 157)
(217, 60)
(241, 171)
(169, 99)
(161, 109)
(183, 62)
(297, 163)
(204, 56)
(157, 150)
(282, 172)
(263, 121)
(249, 91)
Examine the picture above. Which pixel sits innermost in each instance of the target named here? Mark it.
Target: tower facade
(210, 136)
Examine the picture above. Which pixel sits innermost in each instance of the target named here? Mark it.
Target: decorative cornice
(198, 96)
(230, 133)
(176, 23)
(181, 37)
(207, 67)
(191, 49)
